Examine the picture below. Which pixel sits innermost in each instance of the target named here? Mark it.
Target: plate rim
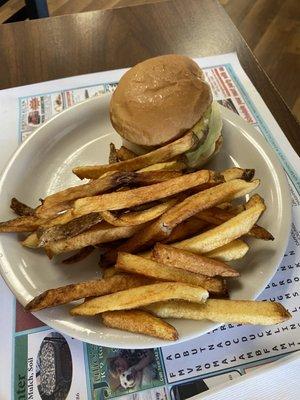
(226, 114)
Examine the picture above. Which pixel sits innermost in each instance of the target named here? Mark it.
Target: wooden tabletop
(40, 50)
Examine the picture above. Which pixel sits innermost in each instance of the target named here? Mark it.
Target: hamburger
(163, 98)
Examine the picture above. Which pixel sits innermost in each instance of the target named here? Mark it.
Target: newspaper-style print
(35, 110)
(120, 373)
(48, 365)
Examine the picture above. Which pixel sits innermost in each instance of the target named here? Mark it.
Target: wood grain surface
(10, 8)
(272, 30)
(61, 7)
(39, 50)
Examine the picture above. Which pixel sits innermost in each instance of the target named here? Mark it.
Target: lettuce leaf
(195, 157)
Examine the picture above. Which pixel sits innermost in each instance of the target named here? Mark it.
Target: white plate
(81, 135)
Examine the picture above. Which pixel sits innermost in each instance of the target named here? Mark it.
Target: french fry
(224, 311)
(208, 198)
(140, 207)
(31, 241)
(68, 230)
(26, 223)
(141, 296)
(138, 217)
(166, 166)
(102, 233)
(124, 154)
(238, 173)
(48, 252)
(109, 258)
(58, 220)
(225, 206)
(182, 231)
(227, 175)
(253, 201)
(217, 216)
(52, 211)
(188, 261)
(224, 233)
(260, 233)
(79, 256)
(134, 197)
(95, 287)
(63, 199)
(138, 321)
(20, 208)
(257, 231)
(113, 156)
(232, 251)
(165, 153)
(101, 185)
(160, 229)
(236, 208)
(139, 265)
(108, 272)
(156, 232)
(149, 178)
(186, 229)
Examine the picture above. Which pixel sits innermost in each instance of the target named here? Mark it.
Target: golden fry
(134, 197)
(31, 241)
(101, 233)
(108, 272)
(188, 261)
(26, 223)
(138, 321)
(141, 296)
(138, 217)
(69, 229)
(232, 251)
(156, 232)
(224, 311)
(113, 156)
(57, 220)
(124, 154)
(96, 287)
(165, 153)
(217, 216)
(166, 166)
(20, 208)
(260, 233)
(224, 233)
(253, 201)
(139, 265)
(92, 188)
(186, 229)
(238, 173)
(182, 231)
(63, 199)
(150, 178)
(159, 230)
(79, 256)
(207, 198)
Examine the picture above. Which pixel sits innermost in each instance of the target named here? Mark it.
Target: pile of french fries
(166, 235)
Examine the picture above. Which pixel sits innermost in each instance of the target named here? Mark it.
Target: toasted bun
(159, 99)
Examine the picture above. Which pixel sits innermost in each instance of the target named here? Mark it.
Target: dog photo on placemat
(134, 369)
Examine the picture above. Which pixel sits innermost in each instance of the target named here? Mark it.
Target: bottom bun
(137, 149)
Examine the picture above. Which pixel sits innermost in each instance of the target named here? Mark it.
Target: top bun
(159, 99)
